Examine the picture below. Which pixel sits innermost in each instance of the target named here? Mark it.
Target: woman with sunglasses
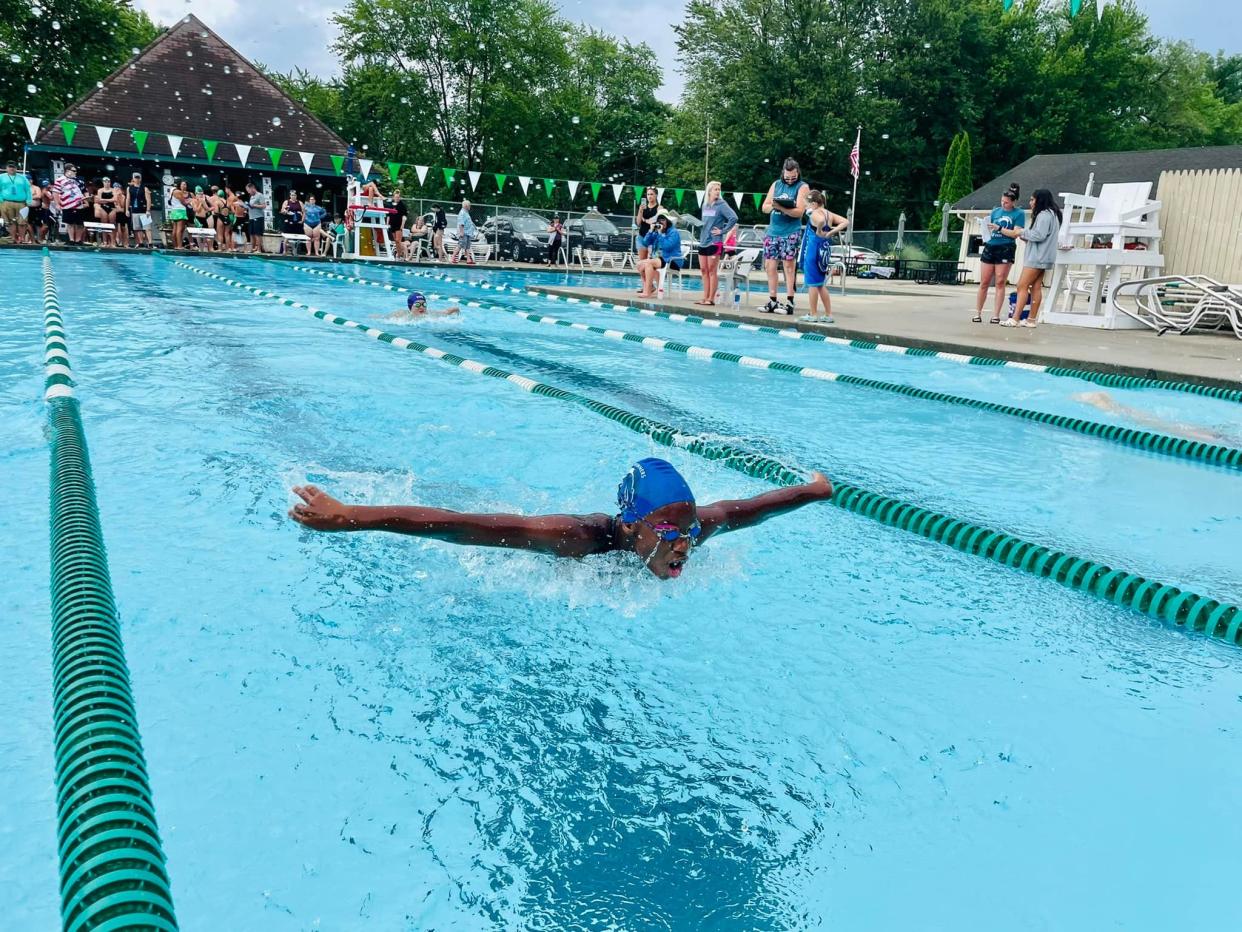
(657, 519)
(644, 218)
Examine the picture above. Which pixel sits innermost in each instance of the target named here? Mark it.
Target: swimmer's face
(666, 559)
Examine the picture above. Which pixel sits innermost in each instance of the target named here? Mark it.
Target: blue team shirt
(1006, 220)
(314, 213)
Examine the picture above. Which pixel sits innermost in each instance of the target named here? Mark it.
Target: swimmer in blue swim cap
(657, 518)
(416, 307)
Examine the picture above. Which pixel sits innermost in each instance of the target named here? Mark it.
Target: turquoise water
(824, 724)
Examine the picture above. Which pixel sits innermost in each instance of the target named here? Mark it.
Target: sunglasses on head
(671, 532)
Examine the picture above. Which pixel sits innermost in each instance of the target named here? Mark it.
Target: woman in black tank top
(645, 216)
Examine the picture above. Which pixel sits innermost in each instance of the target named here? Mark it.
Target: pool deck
(935, 317)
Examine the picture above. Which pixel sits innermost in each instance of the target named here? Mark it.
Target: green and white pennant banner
(421, 171)
(524, 181)
(659, 195)
(364, 166)
(699, 194)
(474, 179)
(105, 136)
(32, 126)
(573, 188)
(307, 158)
(243, 152)
(174, 144)
(737, 198)
(617, 191)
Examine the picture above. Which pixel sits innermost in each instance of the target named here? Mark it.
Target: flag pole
(854, 197)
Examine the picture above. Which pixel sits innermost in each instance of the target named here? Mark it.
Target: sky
(298, 33)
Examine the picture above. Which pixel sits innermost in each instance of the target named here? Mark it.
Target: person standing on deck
(786, 203)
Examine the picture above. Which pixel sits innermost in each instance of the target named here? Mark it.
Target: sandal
(977, 319)
(705, 303)
(994, 320)
(1008, 322)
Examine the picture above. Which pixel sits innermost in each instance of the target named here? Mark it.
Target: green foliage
(94, 38)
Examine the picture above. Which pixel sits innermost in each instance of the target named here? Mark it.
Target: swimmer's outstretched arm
(725, 516)
(559, 535)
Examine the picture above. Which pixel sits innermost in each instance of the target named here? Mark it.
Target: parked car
(522, 237)
(595, 231)
(858, 254)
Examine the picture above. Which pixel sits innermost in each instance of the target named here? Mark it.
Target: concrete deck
(928, 316)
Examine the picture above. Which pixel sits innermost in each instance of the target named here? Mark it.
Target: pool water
(825, 723)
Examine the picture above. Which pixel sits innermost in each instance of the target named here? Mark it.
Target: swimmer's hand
(819, 486)
(320, 511)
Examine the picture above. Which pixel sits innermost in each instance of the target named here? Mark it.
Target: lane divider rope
(1110, 380)
(1180, 447)
(1155, 599)
(112, 867)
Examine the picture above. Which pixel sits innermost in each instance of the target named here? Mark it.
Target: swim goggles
(670, 532)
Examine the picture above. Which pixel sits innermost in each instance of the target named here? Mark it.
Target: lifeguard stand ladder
(368, 238)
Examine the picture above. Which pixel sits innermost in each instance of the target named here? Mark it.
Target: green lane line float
(112, 871)
(1181, 447)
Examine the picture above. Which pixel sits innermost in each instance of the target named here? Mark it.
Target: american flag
(854, 156)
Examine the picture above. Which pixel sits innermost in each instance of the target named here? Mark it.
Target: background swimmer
(1105, 402)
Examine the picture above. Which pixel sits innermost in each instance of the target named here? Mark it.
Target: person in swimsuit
(438, 225)
(311, 220)
(202, 213)
(822, 226)
(644, 217)
(997, 256)
(416, 309)
(105, 207)
(1105, 402)
(178, 207)
(657, 519)
(785, 203)
(120, 235)
(397, 220)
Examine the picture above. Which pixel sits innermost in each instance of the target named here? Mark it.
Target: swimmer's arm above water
(725, 516)
(559, 535)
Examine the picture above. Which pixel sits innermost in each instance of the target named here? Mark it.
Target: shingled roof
(1069, 171)
(191, 83)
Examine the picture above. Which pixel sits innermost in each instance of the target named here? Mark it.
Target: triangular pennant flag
(394, 171)
(617, 191)
(595, 189)
(638, 194)
(758, 198)
(364, 165)
(338, 163)
(209, 146)
(474, 179)
(243, 152)
(548, 185)
(307, 158)
(573, 188)
(699, 194)
(421, 171)
(500, 181)
(678, 194)
(659, 195)
(737, 198)
(1099, 9)
(32, 126)
(105, 135)
(524, 180)
(140, 139)
(274, 155)
(69, 129)
(448, 175)
(1075, 6)
(174, 145)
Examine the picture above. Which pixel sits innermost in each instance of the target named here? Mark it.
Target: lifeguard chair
(368, 237)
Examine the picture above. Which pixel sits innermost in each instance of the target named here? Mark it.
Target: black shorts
(74, 216)
(674, 264)
(254, 226)
(712, 250)
(999, 255)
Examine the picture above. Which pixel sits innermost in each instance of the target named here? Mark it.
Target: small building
(1074, 172)
(189, 106)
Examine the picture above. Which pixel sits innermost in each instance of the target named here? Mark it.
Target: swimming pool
(825, 723)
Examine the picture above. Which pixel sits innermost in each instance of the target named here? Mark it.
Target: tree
(53, 51)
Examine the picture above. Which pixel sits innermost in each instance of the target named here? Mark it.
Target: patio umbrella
(901, 232)
(944, 223)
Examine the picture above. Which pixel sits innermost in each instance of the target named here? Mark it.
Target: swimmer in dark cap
(657, 519)
(416, 307)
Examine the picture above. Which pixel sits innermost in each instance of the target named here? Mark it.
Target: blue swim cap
(416, 297)
(652, 483)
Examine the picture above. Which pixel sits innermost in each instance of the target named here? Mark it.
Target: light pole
(707, 150)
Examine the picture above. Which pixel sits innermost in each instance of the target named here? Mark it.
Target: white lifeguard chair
(368, 238)
(1104, 241)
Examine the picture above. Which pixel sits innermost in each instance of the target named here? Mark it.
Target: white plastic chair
(678, 273)
(734, 267)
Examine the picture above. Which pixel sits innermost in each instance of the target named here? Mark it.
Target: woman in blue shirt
(664, 243)
(998, 251)
(718, 219)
